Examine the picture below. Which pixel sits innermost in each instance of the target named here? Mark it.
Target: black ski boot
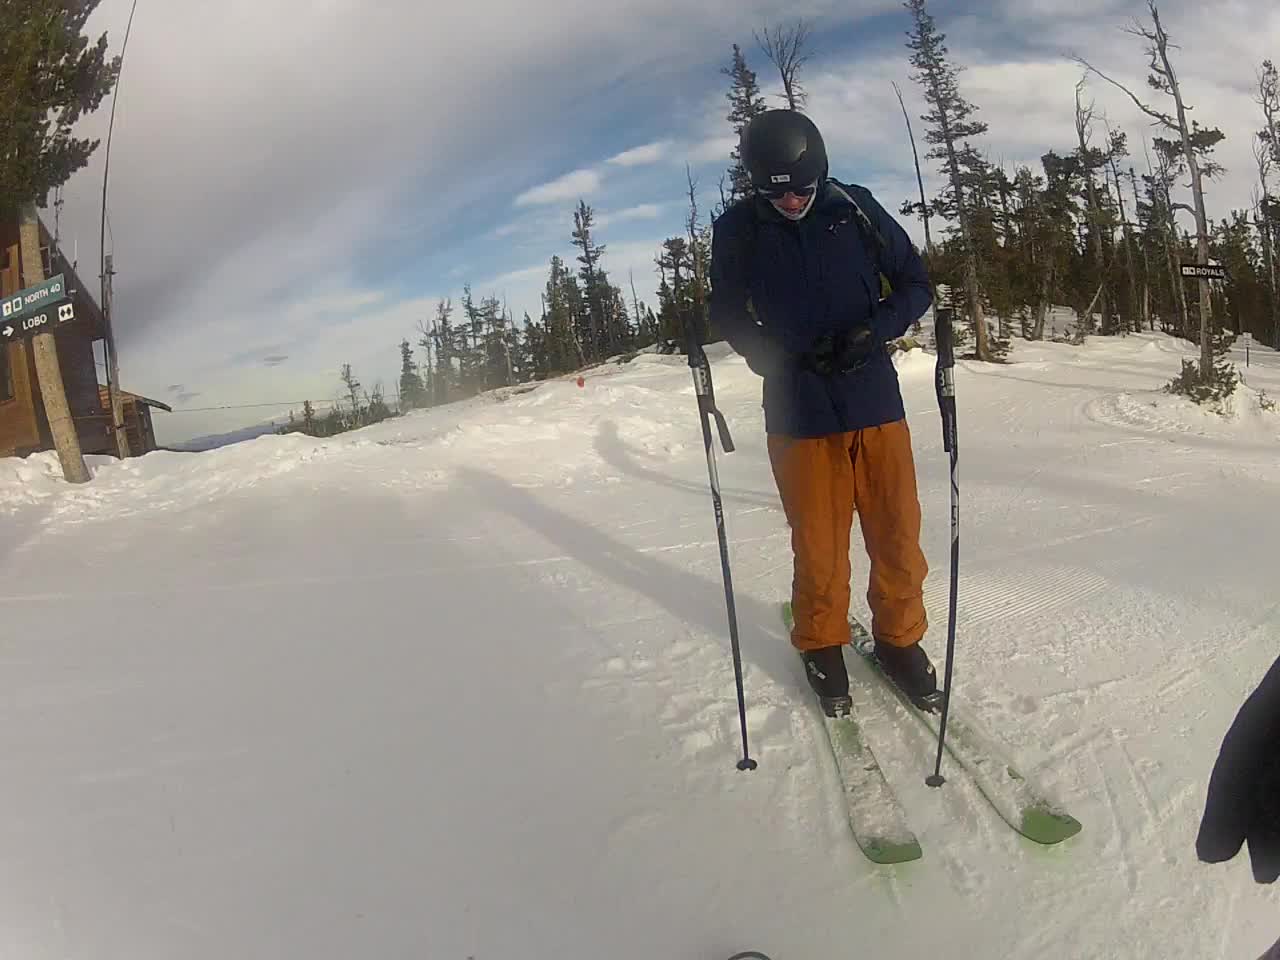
(909, 668)
(830, 680)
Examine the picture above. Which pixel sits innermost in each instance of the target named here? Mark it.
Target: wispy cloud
(515, 276)
(644, 211)
(713, 148)
(639, 156)
(569, 187)
(275, 359)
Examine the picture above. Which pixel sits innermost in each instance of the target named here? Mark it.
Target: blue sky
(295, 186)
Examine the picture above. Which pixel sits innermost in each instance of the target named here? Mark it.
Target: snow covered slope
(458, 686)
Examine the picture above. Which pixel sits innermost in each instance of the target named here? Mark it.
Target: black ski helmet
(781, 148)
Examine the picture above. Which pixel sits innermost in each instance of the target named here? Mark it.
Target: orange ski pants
(822, 482)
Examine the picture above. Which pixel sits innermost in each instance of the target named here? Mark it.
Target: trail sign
(1210, 272)
(33, 323)
(33, 299)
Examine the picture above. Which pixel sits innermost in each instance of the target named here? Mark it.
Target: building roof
(135, 397)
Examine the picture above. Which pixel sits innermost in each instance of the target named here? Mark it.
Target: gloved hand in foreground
(1243, 803)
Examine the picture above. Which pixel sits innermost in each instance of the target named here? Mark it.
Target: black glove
(840, 353)
(1243, 803)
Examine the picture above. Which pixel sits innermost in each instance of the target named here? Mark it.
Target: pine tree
(745, 103)
(676, 298)
(427, 369)
(308, 418)
(412, 393)
(564, 351)
(951, 127)
(600, 336)
(49, 78)
(468, 349)
(495, 348)
(446, 381)
(376, 409)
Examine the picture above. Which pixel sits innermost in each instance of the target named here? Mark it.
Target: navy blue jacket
(805, 279)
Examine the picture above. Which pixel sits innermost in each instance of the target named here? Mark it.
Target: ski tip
(889, 852)
(1048, 826)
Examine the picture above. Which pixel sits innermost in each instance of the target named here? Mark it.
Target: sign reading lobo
(33, 299)
(41, 322)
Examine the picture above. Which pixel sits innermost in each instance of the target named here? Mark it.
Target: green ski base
(876, 817)
(1018, 801)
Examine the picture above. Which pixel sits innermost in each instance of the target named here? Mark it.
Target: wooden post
(45, 349)
(113, 364)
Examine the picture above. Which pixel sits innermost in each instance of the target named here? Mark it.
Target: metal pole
(105, 269)
(946, 390)
(703, 387)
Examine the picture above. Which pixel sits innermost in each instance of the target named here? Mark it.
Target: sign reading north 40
(32, 300)
(42, 322)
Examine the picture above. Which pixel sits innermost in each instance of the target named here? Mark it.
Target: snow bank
(458, 684)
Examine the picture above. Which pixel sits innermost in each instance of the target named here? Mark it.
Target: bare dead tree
(1266, 152)
(635, 301)
(1161, 178)
(1164, 78)
(1146, 256)
(696, 253)
(1115, 149)
(785, 48)
(425, 340)
(924, 203)
(1084, 132)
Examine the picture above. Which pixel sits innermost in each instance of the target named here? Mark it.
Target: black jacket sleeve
(728, 300)
(1243, 801)
(905, 269)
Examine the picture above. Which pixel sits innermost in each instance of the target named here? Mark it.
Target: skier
(804, 254)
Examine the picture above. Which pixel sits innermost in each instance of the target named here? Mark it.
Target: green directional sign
(39, 321)
(33, 300)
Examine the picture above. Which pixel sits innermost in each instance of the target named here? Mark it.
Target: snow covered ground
(458, 686)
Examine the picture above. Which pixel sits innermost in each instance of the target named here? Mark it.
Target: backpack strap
(873, 239)
(871, 234)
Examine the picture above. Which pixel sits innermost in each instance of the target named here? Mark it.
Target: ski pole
(944, 382)
(707, 409)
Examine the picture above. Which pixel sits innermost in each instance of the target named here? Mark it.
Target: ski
(876, 817)
(1018, 800)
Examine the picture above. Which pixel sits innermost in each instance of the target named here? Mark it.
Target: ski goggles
(776, 193)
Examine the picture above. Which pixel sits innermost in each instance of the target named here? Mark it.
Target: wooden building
(24, 426)
(137, 418)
